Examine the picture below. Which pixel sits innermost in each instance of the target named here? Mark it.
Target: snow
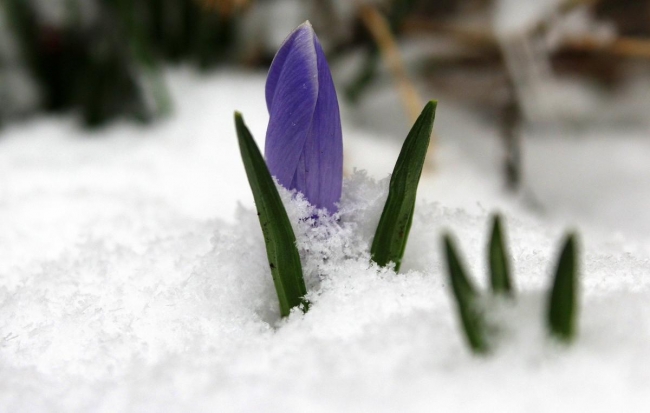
(587, 173)
(133, 275)
(529, 31)
(512, 17)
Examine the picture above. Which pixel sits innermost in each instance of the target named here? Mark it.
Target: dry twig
(225, 7)
(380, 31)
(628, 47)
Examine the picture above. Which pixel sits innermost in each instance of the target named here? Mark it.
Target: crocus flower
(304, 147)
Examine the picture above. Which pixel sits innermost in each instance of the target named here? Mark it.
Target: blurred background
(546, 78)
(536, 60)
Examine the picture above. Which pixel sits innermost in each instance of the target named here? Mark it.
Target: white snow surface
(131, 279)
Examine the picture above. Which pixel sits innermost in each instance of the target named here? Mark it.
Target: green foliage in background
(103, 59)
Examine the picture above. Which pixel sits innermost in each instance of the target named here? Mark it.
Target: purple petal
(320, 169)
(291, 95)
(278, 62)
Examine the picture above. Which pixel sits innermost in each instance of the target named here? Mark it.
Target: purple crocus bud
(304, 145)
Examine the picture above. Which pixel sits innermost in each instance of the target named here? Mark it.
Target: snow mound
(121, 290)
(190, 321)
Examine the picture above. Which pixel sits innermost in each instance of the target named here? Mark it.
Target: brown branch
(472, 37)
(225, 7)
(628, 47)
(380, 31)
(569, 5)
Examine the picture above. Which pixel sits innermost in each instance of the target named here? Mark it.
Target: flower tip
(304, 27)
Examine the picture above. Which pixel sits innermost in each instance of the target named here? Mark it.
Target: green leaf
(395, 222)
(466, 300)
(280, 240)
(562, 310)
(498, 259)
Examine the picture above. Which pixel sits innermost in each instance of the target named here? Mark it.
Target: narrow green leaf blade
(280, 240)
(498, 259)
(563, 300)
(466, 300)
(395, 222)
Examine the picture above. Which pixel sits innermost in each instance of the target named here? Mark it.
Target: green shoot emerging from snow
(466, 300)
(562, 309)
(280, 240)
(498, 259)
(395, 222)
(563, 299)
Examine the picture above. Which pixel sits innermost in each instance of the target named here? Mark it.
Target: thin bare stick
(471, 37)
(629, 47)
(569, 5)
(380, 31)
(225, 7)
(622, 46)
